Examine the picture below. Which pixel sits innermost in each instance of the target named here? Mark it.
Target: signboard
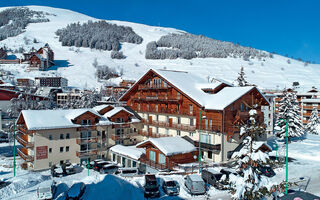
(42, 152)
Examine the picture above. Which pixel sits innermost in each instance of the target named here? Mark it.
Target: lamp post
(287, 141)
(199, 157)
(14, 149)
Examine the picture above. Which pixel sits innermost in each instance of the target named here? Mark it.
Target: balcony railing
(23, 153)
(153, 164)
(158, 98)
(310, 107)
(86, 140)
(183, 127)
(171, 111)
(86, 153)
(152, 134)
(154, 87)
(23, 139)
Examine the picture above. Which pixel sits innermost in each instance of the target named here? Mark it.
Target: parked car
(195, 184)
(127, 172)
(68, 169)
(98, 165)
(109, 169)
(211, 177)
(266, 171)
(56, 171)
(76, 191)
(151, 187)
(170, 187)
(44, 192)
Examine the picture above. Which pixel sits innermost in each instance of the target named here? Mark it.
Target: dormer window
(86, 122)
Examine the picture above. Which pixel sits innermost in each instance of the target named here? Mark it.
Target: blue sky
(282, 26)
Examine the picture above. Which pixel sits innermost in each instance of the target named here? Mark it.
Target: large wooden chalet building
(172, 102)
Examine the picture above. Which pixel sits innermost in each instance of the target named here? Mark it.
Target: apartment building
(68, 97)
(175, 103)
(76, 135)
(51, 81)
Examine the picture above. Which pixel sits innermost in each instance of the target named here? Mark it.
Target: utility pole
(14, 149)
(287, 141)
(199, 157)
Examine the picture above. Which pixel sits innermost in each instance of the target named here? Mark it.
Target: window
(159, 82)
(139, 107)
(162, 158)
(123, 161)
(50, 137)
(61, 136)
(157, 108)
(231, 107)
(67, 148)
(134, 164)
(206, 123)
(179, 120)
(191, 134)
(210, 124)
(241, 107)
(164, 84)
(157, 129)
(247, 108)
(50, 150)
(50, 164)
(191, 122)
(152, 156)
(178, 132)
(167, 119)
(61, 149)
(206, 138)
(190, 108)
(148, 107)
(68, 136)
(61, 162)
(210, 154)
(157, 117)
(85, 122)
(98, 133)
(98, 145)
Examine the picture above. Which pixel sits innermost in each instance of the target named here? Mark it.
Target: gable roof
(116, 110)
(170, 145)
(191, 85)
(52, 119)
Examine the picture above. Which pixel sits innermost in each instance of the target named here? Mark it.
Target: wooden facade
(155, 95)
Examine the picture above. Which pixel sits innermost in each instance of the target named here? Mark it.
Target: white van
(195, 184)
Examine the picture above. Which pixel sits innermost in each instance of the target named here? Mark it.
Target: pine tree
(242, 78)
(289, 110)
(314, 122)
(249, 184)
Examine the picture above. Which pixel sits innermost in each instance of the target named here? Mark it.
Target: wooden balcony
(121, 125)
(152, 134)
(156, 87)
(23, 153)
(86, 153)
(183, 127)
(23, 139)
(158, 99)
(170, 111)
(310, 107)
(86, 140)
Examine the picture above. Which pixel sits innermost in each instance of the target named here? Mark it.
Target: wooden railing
(153, 87)
(151, 134)
(158, 98)
(23, 153)
(153, 164)
(86, 153)
(183, 127)
(310, 107)
(86, 140)
(23, 139)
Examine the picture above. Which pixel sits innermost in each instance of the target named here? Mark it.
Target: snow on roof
(192, 85)
(171, 145)
(257, 144)
(52, 119)
(195, 177)
(115, 110)
(130, 151)
(100, 107)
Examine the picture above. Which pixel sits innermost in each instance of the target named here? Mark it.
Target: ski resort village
(103, 109)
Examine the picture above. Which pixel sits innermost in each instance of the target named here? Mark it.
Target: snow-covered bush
(97, 35)
(117, 55)
(190, 46)
(13, 21)
(104, 72)
(289, 110)
(313, 125)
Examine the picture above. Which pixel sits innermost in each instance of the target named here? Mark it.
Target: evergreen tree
(249, 184)
(314, 122)
(289, 110)
(242, 78)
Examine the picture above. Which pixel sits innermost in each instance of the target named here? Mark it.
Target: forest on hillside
(13, 21)
(190, 46)
(98, 35)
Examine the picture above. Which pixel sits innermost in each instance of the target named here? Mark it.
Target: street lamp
(14, 149)
(287, 141)
(199, 157)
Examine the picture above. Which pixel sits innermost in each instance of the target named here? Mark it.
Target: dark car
(109, 169)
(68, 169)
(76, 191)
(56, 171)
(170, 187)
(266, 171)
(98, 165)
(151, 187)
(211, 177)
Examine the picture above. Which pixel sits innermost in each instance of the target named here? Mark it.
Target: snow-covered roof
(195, 177)
(129, 151)
(116, 110)
(192, 85)
(52, 119)
(171, 145)
(100, 107)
